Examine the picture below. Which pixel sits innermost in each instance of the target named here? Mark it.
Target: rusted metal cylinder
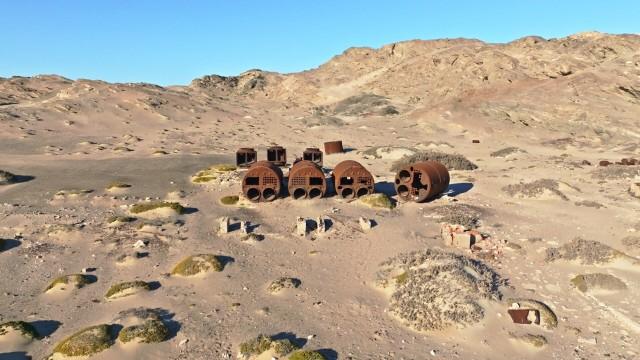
(313, 155)
(351, 179)
(422, 181)
(262, 182)
(277, 155)
(245, 157)
(333, 147)
(306, 181)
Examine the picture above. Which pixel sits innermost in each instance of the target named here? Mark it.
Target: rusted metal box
(333, 147)
(277, 155)
(352, 180)
(245, 157)
(314, 155)
(262, 182)
(421, 181)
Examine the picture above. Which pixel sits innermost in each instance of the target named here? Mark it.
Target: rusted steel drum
(351, 179)
(306, 181)
(277, 155)
(262, 182)
(313, 155)
(245, 157)
(422, 181)
(333, 147)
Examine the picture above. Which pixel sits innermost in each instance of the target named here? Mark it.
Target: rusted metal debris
(314, 155)
(245, 157)
(351, 179)
(525, 316)
(333, 147)
(306, 180)
(625, 161)
(421, 181)
(277, 155)
(262, 182)
(475, 141)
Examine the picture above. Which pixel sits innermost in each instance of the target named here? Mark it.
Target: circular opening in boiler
(315, 193)
(269, 194)
(299, 193)
(404, 175)
(346, 192)
(403, 191)
(253, 194)
(362, 192)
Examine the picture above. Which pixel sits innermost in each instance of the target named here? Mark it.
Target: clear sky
(171, 42)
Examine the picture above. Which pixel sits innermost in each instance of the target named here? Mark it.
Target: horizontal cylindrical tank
(352, 180)
(421, 181)
(262, 182)
(306, 181)
(333, 147)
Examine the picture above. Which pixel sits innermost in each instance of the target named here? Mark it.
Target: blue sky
(172, 42)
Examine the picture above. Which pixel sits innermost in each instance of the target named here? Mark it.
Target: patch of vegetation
(127, 288)
(75, 280)
(450, 161)
(148, 206)
(120, 219)
(6, 178)
(283, 283)
(151, 331)
(196, 264)
(548, 318)
(87, 342)
(437, 289)
(587, 252)
(160, 152)
(264, 343)
(377, 201)
(26, 330)
(507, 151)
(535, 189)
(598, 281)
(212, 173)
(117, 185)
(537, 341)
(306, 355)
(365, 104)
(229, 199)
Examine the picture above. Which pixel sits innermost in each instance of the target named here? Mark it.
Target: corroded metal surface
(262, 182)
(351, 179)
(421, 181)
(333, 147)
(245, 157)
(306, 180)
(313, 154)
(277, 155)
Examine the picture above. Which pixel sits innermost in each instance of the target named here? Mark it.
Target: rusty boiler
(306, 181)
(421, 181)
(352, 180)
(245, 157)
(277, 155)
(262, 182)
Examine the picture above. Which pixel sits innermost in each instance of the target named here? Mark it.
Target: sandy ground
(337, 309)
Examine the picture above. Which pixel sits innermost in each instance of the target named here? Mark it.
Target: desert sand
(85, 153)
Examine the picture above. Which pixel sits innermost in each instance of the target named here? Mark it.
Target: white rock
(365, 224)
(301, 226)
(139, 244)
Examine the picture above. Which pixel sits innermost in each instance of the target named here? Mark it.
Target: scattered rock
(283, 283)
(507, 152)
(458, 214)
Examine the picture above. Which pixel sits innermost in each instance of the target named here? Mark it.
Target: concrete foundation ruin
(421, 181)
(262, 182)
